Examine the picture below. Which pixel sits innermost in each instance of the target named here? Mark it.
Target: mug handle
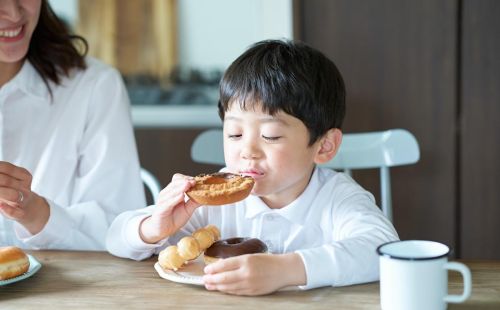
(464, 270)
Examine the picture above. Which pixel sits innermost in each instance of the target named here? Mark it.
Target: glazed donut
(220, 188)
(233, 247)
(13, 262)
(188, 248)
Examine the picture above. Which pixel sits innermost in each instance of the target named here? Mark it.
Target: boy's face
(272, 149)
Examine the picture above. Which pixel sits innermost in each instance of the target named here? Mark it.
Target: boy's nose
(11, 10)
(250, 151)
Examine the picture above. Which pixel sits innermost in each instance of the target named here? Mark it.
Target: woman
(68, 161)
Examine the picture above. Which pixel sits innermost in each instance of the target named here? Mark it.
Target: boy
(282, 106)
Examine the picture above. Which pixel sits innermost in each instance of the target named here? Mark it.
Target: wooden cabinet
(138, 37)
(479, 127)
(431, 67)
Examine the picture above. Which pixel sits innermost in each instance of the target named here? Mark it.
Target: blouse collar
(29, 81)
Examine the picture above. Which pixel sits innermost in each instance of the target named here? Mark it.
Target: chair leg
(385, 189)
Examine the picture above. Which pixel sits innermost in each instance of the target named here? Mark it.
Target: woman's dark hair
(287, 76)
(52, 50)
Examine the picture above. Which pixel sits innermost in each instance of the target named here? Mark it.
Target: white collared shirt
(80, 148)
(334, 225)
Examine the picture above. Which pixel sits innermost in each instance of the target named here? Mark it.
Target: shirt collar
(28, 81)
(254, 206)
(295, 212)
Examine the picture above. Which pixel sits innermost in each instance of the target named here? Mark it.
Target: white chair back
(151, 183)
(382, 150)
(208, 147)
(378, 149)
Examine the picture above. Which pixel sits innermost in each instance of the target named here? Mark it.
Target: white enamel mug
(414, 275)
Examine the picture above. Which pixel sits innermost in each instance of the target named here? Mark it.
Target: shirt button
(271, 217)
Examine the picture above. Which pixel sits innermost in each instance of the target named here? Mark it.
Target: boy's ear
(328, 146)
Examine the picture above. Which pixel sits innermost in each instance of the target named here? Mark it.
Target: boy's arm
(351, 260)
(123, 237)
(359, 228)
(294, 272)
(139, 234)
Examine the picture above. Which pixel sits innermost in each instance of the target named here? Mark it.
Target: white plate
(34, 267)
(191, 273)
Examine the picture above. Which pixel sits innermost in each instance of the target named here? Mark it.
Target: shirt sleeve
(123, 239)
(359, 228)
(107, 179)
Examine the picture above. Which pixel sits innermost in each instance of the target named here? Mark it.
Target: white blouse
(334, 225)
(79, 146)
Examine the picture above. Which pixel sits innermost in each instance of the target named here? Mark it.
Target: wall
(213, 33)
(479, 147)
(66, 9)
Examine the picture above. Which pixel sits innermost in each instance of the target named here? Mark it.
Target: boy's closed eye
(267, 138)
(233, 137)
(271, 138)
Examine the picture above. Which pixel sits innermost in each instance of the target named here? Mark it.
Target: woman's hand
(171, 212)
(255, 274)
(18, 202)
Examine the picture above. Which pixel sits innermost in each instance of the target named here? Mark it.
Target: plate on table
(34, 267)
(191, 273)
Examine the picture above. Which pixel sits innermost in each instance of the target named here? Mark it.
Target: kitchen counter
(164, 116)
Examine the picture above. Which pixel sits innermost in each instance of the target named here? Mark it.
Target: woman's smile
(12, 34)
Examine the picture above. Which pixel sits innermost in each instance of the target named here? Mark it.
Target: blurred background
(431, 67)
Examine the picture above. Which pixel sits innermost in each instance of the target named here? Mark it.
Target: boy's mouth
(256, 174)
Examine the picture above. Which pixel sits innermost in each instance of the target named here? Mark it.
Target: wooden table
(97, 280)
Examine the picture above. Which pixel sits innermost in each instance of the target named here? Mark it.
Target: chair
(207, 147)
(151, 183)
(381, 149)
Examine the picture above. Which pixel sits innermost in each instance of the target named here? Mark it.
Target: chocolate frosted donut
(233, 247)
(220, 188)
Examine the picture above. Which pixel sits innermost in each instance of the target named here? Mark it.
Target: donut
(13, 262)
(220, 188)
(233, 247)
(188, 248)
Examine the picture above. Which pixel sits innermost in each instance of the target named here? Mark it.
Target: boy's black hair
(287, 76)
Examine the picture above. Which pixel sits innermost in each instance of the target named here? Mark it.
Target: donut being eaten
(220, 188)
(13, 262)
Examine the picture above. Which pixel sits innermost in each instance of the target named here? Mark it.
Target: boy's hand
(255, 274)
(171, 212)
